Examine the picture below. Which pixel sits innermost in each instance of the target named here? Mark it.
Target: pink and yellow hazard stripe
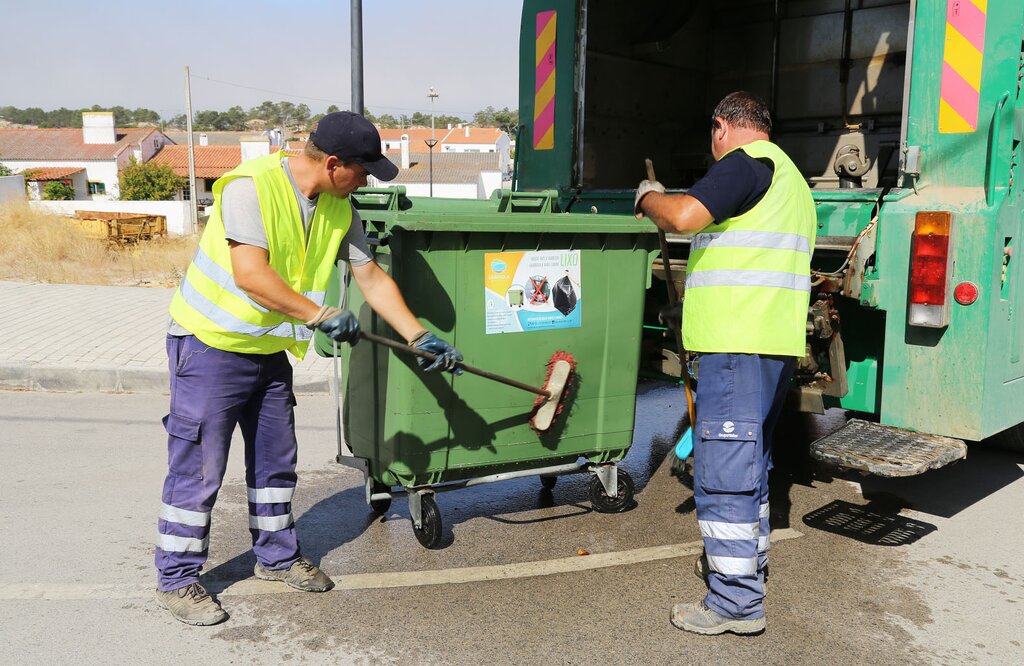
(961, 66)
(544, 94)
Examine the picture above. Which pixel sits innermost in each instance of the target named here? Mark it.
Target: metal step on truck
(906, 119)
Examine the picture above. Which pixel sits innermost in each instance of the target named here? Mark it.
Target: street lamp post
(432, 141)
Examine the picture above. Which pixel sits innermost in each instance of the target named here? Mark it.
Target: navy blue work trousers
(212, 391)
(739, 400)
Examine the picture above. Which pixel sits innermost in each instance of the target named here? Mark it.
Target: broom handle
(403, 348)
(673, 298)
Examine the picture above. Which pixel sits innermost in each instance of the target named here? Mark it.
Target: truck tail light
(931, 269)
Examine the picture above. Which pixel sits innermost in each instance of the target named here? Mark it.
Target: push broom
(549, 403)
(684, 447)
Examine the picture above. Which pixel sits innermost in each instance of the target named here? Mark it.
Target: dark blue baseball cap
(352, 138)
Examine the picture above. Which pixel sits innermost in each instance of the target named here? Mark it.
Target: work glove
(447, 356)
(337, 324)
(645, 187)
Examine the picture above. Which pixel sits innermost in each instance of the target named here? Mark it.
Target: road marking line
(383, 580)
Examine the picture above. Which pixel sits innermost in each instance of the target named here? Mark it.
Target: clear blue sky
(108, 52)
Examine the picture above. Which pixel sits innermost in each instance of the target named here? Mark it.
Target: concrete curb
(26, 377)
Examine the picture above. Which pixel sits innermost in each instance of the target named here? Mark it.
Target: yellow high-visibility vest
(748, 277)
(210, 305)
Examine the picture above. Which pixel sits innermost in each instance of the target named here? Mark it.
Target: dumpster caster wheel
(380, 507)
(548, 482)
(604, 504)
(429, 535)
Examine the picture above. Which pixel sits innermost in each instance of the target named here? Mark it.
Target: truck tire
(1011, 439)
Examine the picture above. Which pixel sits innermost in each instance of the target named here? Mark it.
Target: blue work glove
(337, 324)
(447, 356)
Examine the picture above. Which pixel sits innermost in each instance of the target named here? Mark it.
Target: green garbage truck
(906, 117)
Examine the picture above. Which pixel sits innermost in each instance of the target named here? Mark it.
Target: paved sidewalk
(67, 337)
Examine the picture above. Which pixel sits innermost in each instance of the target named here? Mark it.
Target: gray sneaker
(302, 575)
(192, 604)
(700, 619)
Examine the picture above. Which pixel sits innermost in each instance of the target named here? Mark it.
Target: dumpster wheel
(429, 532)
(624, 491)
(548, 482)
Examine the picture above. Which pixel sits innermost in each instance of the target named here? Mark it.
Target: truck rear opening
(900, 115)
(832, 72)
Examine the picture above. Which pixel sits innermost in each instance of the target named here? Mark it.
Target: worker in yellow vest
(744, 319)
(255, 290)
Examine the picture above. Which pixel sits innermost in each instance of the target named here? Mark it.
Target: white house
(99, 150)
(460, 139)
(36, 179)
(455, 175)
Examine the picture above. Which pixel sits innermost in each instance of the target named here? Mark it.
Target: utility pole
(432, 94)
(191, 155)
(357, 57)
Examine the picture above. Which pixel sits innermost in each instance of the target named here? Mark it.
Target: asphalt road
(924, 570)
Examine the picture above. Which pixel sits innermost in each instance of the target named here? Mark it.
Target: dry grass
(39, 247)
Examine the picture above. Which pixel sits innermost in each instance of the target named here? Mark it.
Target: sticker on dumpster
(532, 291)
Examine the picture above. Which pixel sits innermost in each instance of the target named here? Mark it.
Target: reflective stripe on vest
(226, 280)
(748, 277)
(232, 324)
(768, 240)
(732, 278)
(210, 304)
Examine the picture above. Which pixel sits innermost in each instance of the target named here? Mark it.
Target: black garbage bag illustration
(564, 296)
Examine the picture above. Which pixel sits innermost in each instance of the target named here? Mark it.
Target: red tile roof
(65, 144)
(50, 173)
(485, 135)
(211, 161)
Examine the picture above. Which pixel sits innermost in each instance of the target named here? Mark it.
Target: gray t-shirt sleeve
(354, 248)
(240, 211)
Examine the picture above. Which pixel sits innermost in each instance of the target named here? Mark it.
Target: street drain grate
(886, 451)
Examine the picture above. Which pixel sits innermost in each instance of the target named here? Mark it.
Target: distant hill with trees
(294, 117)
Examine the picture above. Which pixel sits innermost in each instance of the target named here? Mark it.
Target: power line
(321, 99)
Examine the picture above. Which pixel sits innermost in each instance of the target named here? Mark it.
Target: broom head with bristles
(561, 369)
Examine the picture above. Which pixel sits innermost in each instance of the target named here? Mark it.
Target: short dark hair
(310, 150)
(745, 109)
(313, 153)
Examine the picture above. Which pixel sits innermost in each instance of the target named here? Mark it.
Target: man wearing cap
(744, 315)
(255, 290)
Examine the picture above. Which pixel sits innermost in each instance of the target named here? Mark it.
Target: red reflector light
(928, 263)
(966, 293)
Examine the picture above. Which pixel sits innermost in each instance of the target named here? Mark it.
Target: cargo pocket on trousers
(184, 448)
(730, 457)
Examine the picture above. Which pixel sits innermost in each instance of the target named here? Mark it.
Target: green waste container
(508, 289)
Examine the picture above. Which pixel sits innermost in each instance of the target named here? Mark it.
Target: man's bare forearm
(676, 213)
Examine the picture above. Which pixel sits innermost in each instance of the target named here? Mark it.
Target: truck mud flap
(886, 451)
